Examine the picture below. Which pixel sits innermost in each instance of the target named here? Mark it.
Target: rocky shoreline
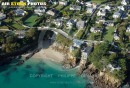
(99, 80)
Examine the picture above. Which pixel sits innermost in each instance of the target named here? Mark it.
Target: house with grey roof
(96, 30)
(86, 52)
(75, 7)
(109, 23)
(2, 16)
(80, 24)
(117, 14)
(40, 10)
(128, 29)
(121, 8)
(77, 43)
(19, 12)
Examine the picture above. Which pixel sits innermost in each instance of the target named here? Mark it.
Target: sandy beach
(47, 53)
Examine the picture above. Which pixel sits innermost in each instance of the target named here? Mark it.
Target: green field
(98, 1)
(17, 18)
(39, 0)
(109, 34)
(18, 26)
(31, 20)
(3, 27)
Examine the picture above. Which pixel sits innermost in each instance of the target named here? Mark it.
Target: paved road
(40, 39)
(56, 30)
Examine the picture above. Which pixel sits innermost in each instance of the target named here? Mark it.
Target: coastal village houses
(40, 10)
(117, 14)
(19, 12)
(101, 12)
(95, 30)
(2, 17)
(128, 29)
(50, 12)
(80, 24)
(63, 3)
(75, 7)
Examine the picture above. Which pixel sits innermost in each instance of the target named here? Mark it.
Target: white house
(85, 53)
(117, 15)
(77, 43)
(63, 3)
(121, 8)
(116, 37)
(2, 16)
(128, 29)
(40, 10)
(100, 20)
(80, 24)
(58, 22)
(109, 23)
(75, 7)
(89, 4)
(20, 34)
(101, 12)
(108, 7)
(70, 23)
(50, 12)
(90, 10)
(20, 12)
(125, 2)
(112, 68)
(95, 30)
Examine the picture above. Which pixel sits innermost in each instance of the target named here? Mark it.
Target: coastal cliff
(101, 79)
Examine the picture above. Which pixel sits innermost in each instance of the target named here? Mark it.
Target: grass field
(31, 20)
(18, 26)
(109, 34)
(98, 1)
(38, 0)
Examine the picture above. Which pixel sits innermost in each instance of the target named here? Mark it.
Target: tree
(112, 57)
(122, 63)
(97, 57)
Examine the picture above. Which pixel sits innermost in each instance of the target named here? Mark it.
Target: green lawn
(17, 18)
(94, 36)
(3, 27)
(31, 20)
(39, 0)
(109, 34)
(79, 34)
(59, 7)
(18, 26)
(98, 1)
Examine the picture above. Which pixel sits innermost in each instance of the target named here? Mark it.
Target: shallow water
(36, 73)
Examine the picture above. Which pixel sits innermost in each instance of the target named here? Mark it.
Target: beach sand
(47, 53)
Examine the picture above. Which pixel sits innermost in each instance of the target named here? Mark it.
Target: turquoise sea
(38, 73)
